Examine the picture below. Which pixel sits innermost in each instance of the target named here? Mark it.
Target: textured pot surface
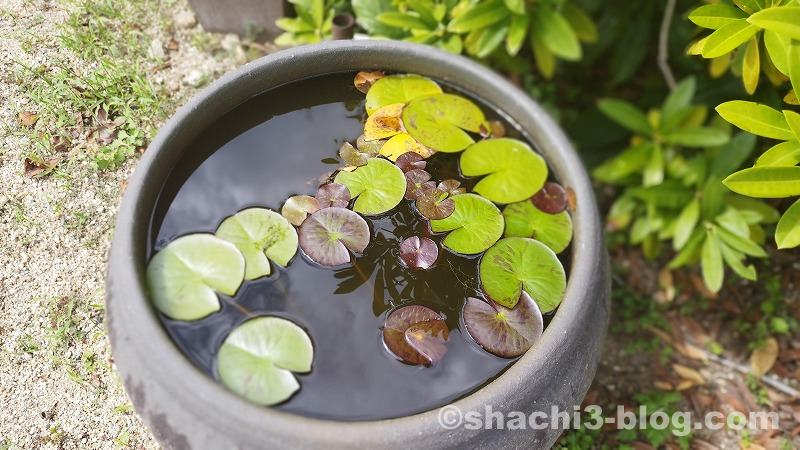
(184, 408)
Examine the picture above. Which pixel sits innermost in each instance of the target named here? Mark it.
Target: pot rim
(127, 257)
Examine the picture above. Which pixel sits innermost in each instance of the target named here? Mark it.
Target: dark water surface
(277, 145)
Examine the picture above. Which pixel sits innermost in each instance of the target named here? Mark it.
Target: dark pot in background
(185, 408)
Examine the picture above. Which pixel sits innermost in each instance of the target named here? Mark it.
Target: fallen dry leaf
(27, 118)
(666, 282)
(692, 352)
(661, 334)
(684, 385)
(687, 373)
(662, 385)
(35, 167)
(365, 80)
(763, 358)
(59, 143)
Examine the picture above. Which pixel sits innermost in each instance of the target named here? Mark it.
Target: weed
(123, 440)
(27, 344)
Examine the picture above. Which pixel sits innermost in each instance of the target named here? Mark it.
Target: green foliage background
(685, 107)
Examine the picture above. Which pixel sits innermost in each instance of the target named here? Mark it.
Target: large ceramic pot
(185, 408)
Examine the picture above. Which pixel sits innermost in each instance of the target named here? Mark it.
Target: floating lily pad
(513, 171)
(384, 122)
(258, 359)
(433, 204)
(551, 199)
(452, 187)
(425, 325)
(475, 225)
(377, 187)
(525, 220)
(261, 235)
(410, 161)
(369, 148)
(514, 264)
(398, 89)
(333, 195)
(298, 207)
(353, 156)
(404, 143)
(418, 252)
(364, 80)
(183, 276)
(326, 235)
(438, 121)
(417, 182)
(506, 332)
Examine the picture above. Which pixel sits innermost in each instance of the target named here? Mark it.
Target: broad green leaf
(734, 221)
(716, 16)
(580, 22)
(713, 270)
(505, 332)
(515, 264)
(756, 118)
(679, 99)
(766, 181)
(515, 6)
(668, 195)
(377, 187)
(734, 260)
(784, 20)
(425, 10)
(713, 198)
(793, 119)
(326, 235)
(787, 234)
(368, 11)
(625, 114)
(740, 244)
(778, 47)
(404, 143)
(475, 225)
(525, 220)
(697, 137)
(261, 235)
(545, 59)
(514, 172)
(751, 66)
(480, 16)
(686, 224)
(402, 20)
(516, 33)
(748, 6)
(621, 213)
(399, 89)
(452, 43)
(491, 38)
(690, 253)
(438, 121)
(791, 98)
(733, 154)
(765, 212)
(728, 37)
(630, 161)
(312, 11)
(183, 276)
(294, 25)
(654, 169)
(784, 154)
(258, 358)
(555, 32)
(794, 68)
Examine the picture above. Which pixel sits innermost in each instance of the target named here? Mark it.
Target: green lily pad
(525, 220)
(259, 358)
(261, 235)
(438, 121)
(398, 89)
(183, 276)
(505, 332)
(513, 171)
(326, 235)
(514, 264)
(475, 225)
(377, 187)
(353, 156)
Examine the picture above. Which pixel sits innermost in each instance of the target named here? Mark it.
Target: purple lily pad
(352, 156)
(326, 235)
(418, 252)
(492, 128)
(298, 207)
(413, 316)
(551, 199)
(506, 332)
(433, 204)
(409, 161)
(417, 182)
(333, 195)
(428, 339)
(452, 187)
